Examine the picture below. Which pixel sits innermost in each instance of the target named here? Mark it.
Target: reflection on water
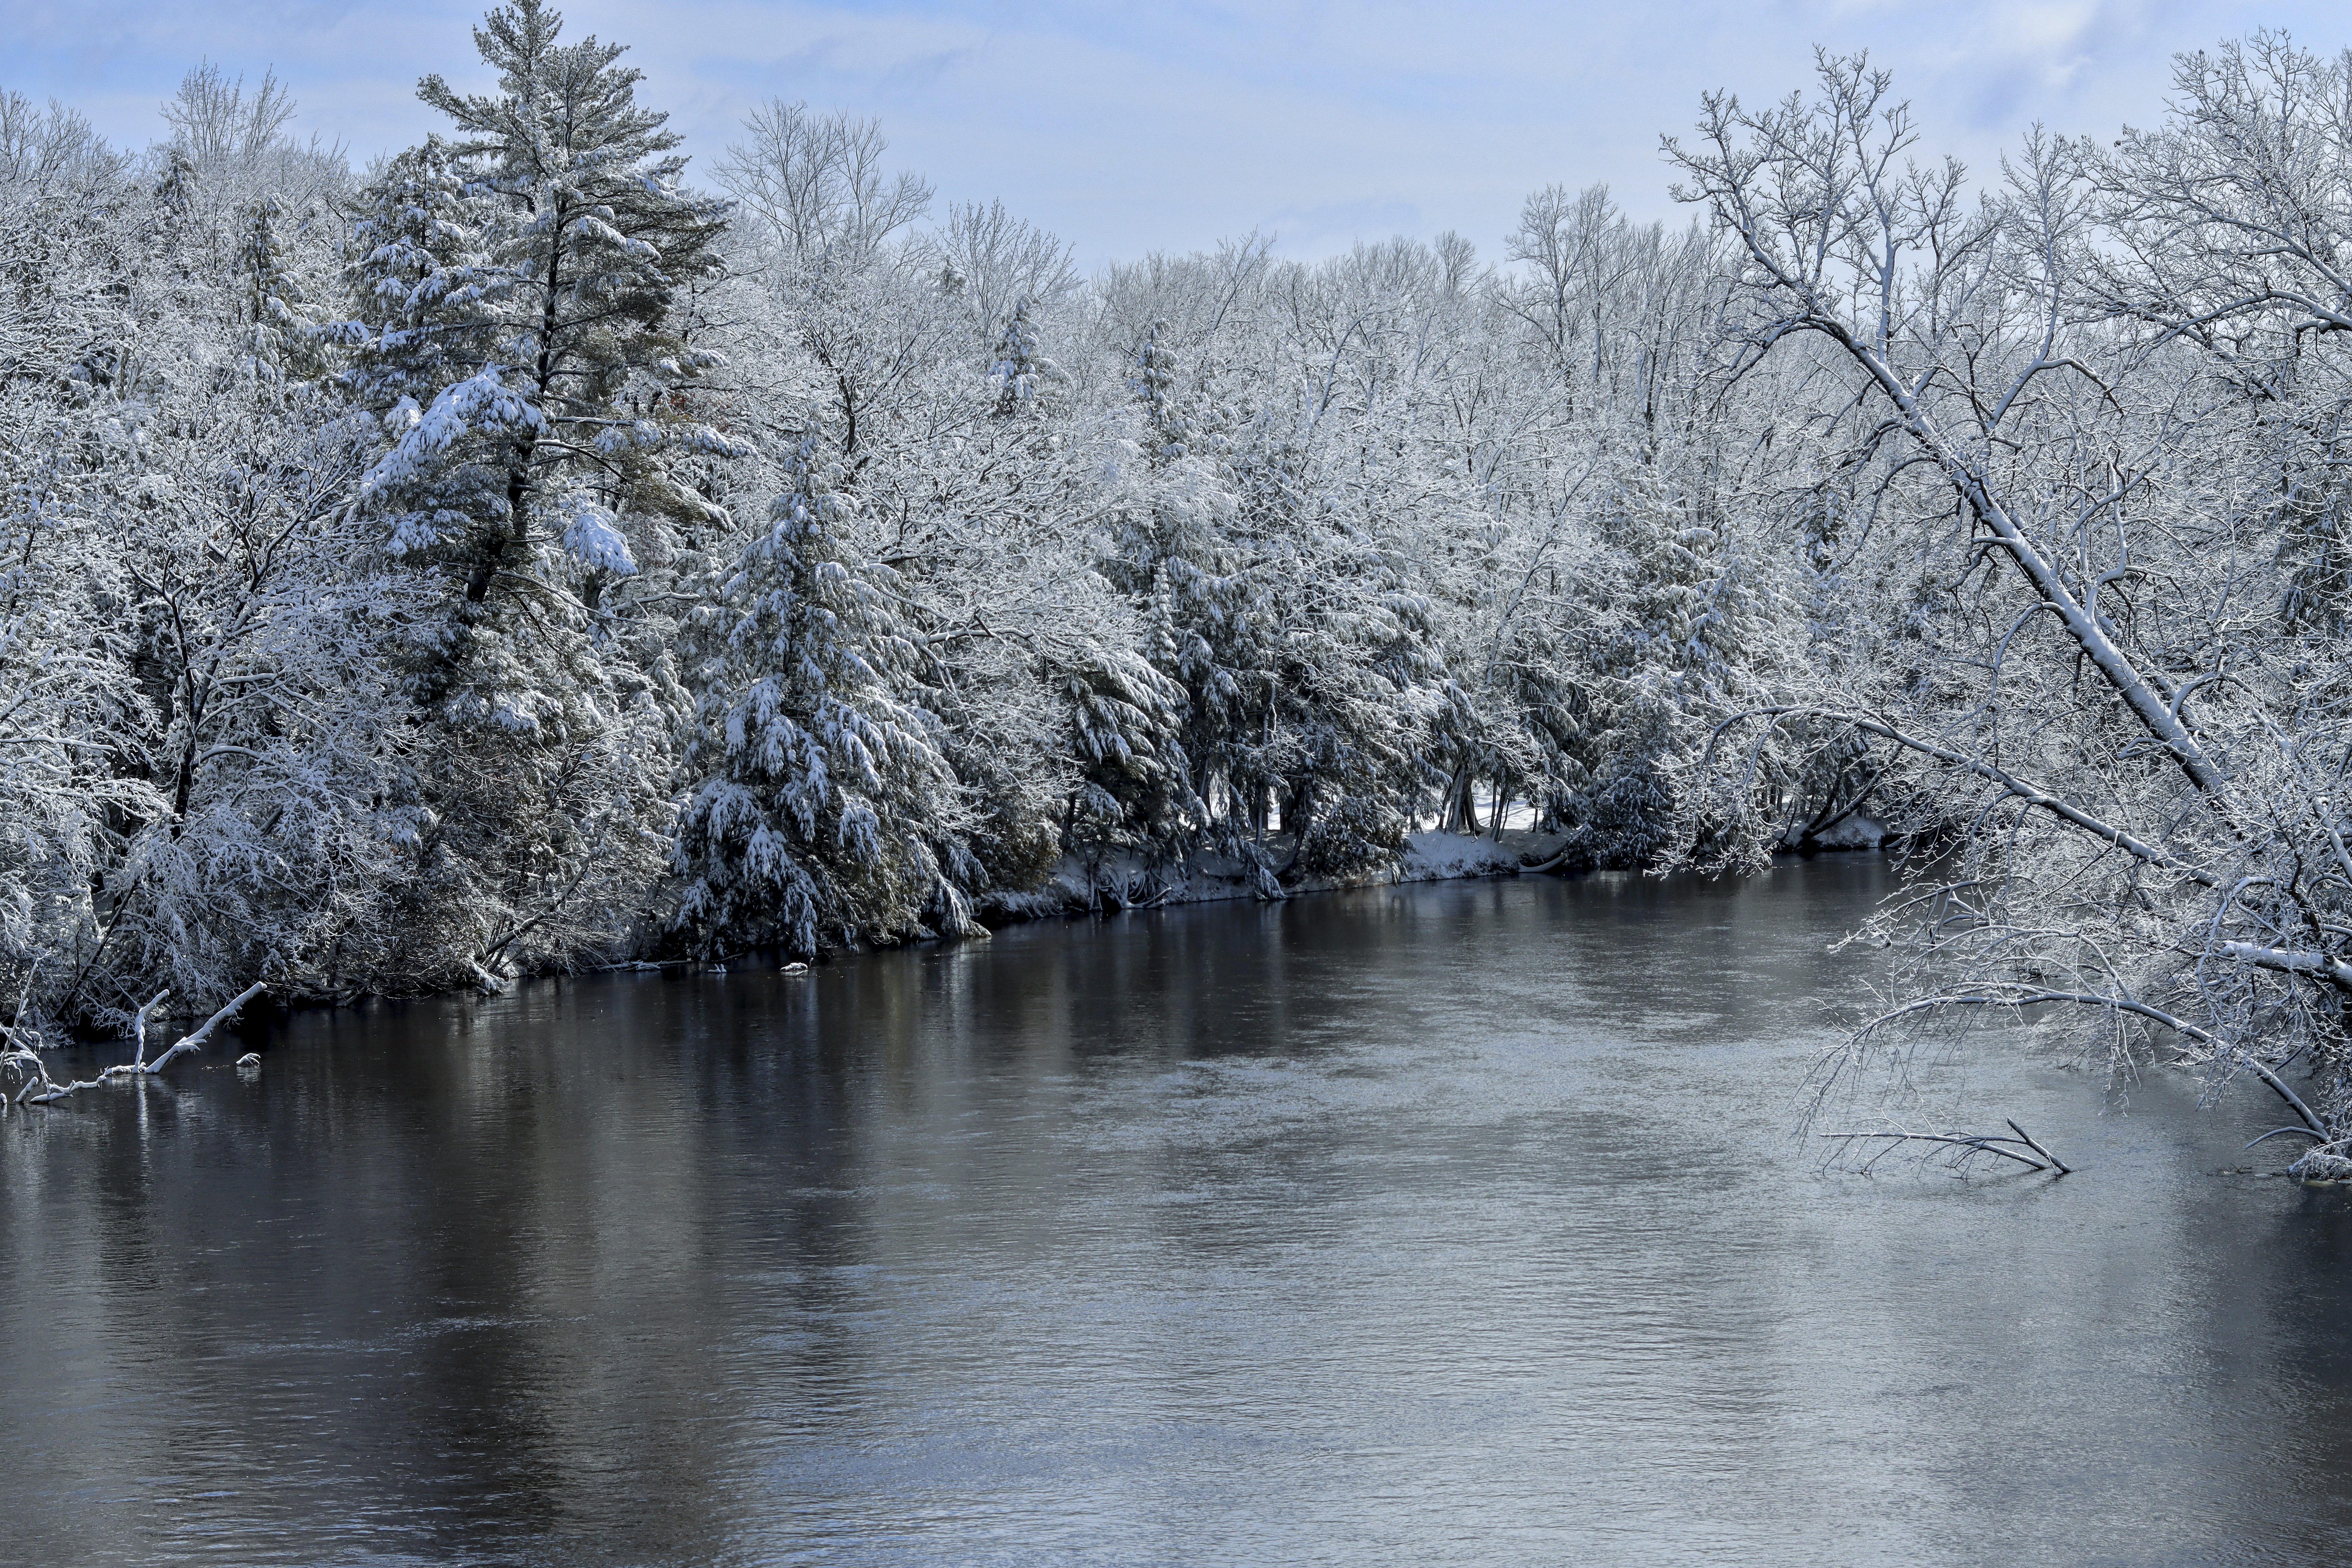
(1452, 1225)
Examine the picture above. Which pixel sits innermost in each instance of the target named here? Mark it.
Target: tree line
(534, 552)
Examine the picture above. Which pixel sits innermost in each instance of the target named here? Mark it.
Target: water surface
(1441, 1224)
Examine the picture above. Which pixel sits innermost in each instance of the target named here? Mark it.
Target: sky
(1167, 126)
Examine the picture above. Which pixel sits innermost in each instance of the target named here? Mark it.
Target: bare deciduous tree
(817, 184)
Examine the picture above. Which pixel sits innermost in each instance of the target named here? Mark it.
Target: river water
(1443, 1225)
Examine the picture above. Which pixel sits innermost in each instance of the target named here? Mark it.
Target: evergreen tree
(515, 334)
(1020, 373)
(822, 810)
(1704, 626)
(281, 339)
(515, 289)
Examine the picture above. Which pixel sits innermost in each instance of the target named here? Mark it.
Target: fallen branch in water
(2274, 1132)
(2021, 998)
(2057, 1166)
(1969, 1144)
(38, 1073)
(138, 1062)
(195, 1042)
(28, 1060)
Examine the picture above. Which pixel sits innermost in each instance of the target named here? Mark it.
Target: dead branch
(140, 1066)
(195, 1042)
(1971, 1145)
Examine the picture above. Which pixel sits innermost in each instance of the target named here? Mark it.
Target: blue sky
(1130, 128)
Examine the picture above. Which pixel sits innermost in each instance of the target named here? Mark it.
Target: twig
(2060, 1166)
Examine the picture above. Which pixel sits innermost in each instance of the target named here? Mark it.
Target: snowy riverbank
(1125, 882)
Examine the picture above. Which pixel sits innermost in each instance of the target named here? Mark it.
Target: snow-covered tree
(516, 335)
(822, 810)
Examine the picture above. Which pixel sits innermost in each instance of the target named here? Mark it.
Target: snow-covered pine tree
(1205, 625)
(1020, 372)
(1301, 646)
(515, 289)
(514, 332)
(823, 811)
(281, 343)
(1706, 626)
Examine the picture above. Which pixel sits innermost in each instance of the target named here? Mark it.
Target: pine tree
(1706, 623)
(1301, 647)
(1020, 375)
(515, 335)
(515, 289)
(281, 342)
(825, 811)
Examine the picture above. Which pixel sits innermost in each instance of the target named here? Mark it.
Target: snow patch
(1443, 856)
(592, 537)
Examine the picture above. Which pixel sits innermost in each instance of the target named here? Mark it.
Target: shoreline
(1114, 885)
(1117, 886)
(1120, 885)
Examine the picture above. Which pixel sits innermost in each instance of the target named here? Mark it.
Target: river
(1453, 1224)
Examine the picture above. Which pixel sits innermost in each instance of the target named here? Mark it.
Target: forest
(534, 552)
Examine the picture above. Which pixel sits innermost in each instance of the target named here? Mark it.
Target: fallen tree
(24, 1057)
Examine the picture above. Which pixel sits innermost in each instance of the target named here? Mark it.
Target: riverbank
(1125, 882)
(1120, 883)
